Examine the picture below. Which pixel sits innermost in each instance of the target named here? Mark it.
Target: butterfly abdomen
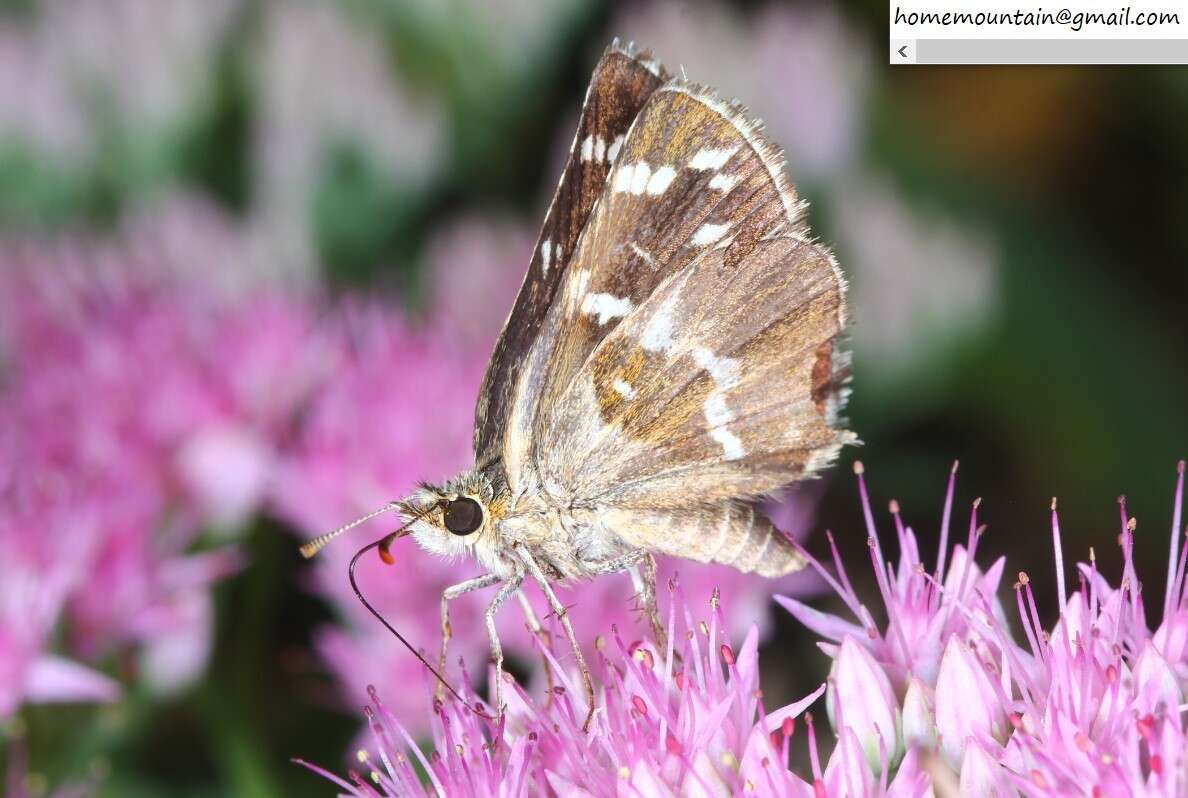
(731, 533)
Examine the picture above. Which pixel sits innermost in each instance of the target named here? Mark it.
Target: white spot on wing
(623, 175)
(657, 335)
(731, 445)
(716, 411)
(722, 182)
(605, 306)
(546, 254)
(724, 371)
(708, 233)
(661, 179)
(711, 158)
(612, 152)
(639, 180)
(624, 389)
(593, 148)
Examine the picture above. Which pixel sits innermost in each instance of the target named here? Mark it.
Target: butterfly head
(453, 519)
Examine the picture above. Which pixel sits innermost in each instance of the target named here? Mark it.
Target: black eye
(463, 516)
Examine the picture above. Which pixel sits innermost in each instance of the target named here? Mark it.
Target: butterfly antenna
(317, 544)
(383, 544)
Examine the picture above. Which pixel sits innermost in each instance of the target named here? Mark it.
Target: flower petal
(56, 679)
(828, 626)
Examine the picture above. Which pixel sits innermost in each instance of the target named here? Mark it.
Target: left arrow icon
(902, 52)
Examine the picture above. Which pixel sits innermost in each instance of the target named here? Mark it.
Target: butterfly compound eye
(463, 516)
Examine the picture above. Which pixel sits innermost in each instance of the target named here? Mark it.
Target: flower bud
(919, 716)
(1155, 681)
(967, 705)
(982, 776)
(860, 698)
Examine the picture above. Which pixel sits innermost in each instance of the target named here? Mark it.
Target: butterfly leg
(449, 594)
(644, 580)
(539, 631)
(563, 614)
(509, 587)
(643, 576)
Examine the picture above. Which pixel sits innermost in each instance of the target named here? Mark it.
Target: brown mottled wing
(622, 83)
(697, 358)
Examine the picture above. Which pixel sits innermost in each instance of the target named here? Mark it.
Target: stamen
(1025, 618)
(942, 554)
(1035, 621)
(1181, 586)
(839, 564)
(1093, 584)
(871, 531)
(1173, 556)
(814, 758)
(889, 601)
(1059, 552)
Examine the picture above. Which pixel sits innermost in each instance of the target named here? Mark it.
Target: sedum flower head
(140, 406)
(939, 699)
(1092, 707)
(688, 720)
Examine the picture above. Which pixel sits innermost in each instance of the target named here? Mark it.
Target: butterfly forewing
(621, 84)
(695, 357)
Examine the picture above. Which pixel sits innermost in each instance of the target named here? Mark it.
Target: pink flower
(397, 410)
(31, 600)
(1093, 707)
(922, 614)
(128, 385)
(476, 266)
(684, 721)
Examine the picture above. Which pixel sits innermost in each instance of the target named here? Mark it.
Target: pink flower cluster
(937, 700)
(139, 408)
(688, 720)
(1093, 707)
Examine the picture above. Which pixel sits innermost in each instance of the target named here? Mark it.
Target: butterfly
(675, 352)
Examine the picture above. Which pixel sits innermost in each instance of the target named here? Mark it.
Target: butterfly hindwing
(621, 84)
(696, 355)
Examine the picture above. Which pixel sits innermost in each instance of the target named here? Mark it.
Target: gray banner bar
(1051, 51)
